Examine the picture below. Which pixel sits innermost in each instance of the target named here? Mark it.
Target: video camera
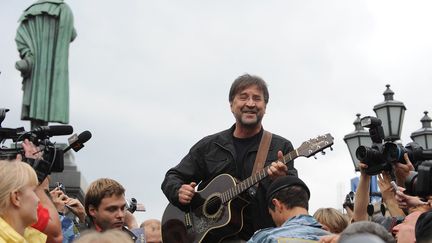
(419, 183)
(52, 160)
(132, 205)
(349, 201)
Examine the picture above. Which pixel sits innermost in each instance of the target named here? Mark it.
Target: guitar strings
(237, 189)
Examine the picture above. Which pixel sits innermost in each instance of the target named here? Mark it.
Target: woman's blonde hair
(109, 236)
(14, 175)
(331, 218)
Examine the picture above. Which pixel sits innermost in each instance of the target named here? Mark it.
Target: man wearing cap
(288, 203)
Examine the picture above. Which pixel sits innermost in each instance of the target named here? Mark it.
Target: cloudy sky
(150, 78)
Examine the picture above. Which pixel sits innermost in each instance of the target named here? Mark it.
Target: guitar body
(209, 220)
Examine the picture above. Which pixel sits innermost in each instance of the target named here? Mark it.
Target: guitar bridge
(188, 220)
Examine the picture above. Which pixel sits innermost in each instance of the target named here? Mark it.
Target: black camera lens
(361, 153)
(368, 155)
(372, 157)
(394, 152)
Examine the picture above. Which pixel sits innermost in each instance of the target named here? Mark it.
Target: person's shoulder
(221, 135)
(34, 235)
(261, 234)
(279, 137)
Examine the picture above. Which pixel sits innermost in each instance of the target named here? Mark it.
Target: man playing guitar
(233, 152)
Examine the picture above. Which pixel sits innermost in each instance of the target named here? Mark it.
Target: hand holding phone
(395, 186)
(60, 186)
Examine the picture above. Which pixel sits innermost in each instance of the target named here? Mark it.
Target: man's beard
(250, 123)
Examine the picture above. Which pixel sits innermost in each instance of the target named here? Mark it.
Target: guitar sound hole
(212, 206)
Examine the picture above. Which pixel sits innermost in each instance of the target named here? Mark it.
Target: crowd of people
(273, 209)
(31, 212)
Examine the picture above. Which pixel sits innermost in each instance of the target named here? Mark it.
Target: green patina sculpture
(43, 37)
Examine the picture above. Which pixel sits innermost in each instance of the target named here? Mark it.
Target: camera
(132, 205)
(373, 156)
(52, 159)
(349, 201)
(420, 183)
(394, 152)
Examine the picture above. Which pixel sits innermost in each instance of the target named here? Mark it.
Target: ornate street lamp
(391, 113)
(423, 136)
(355, 139)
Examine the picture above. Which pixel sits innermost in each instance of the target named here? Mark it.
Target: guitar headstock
(315, 145)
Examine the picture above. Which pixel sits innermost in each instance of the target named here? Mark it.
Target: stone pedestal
(71, 178)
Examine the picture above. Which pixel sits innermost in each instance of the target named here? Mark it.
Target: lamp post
(355, 139)
(391, 113)
(423, 136)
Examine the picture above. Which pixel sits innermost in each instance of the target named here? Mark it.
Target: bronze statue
(43, 37)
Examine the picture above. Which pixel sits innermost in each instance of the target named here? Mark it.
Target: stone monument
(43, 37)
(45, 31)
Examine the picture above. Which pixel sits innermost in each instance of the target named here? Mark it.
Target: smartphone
(394, 185)
(61, 186)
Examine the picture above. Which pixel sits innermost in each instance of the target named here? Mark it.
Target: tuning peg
(315, 157)
(323, 152)
(331, 148)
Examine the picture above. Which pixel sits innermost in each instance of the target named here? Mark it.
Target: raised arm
(361, 199)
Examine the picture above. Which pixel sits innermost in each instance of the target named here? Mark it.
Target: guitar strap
(262, 152)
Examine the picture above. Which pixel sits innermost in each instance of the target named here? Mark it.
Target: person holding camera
(105, 206)
(18, 203)
(65, 207)
(409, 203)
(64, 203)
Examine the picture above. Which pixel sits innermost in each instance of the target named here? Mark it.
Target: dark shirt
(242, 147)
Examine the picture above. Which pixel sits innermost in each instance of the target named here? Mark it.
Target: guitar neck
(254, 179)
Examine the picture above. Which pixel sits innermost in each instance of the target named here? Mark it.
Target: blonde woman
(331, 219)
(18, 203)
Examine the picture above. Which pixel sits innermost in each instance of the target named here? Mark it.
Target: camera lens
(393, 152)
(361, 153)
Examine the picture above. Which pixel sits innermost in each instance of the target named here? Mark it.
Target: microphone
(49, 131)
(77, 142)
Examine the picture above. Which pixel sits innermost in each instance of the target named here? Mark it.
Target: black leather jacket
(215, 155)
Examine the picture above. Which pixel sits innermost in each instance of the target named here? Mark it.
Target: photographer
(407, 202)
(64, 205)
